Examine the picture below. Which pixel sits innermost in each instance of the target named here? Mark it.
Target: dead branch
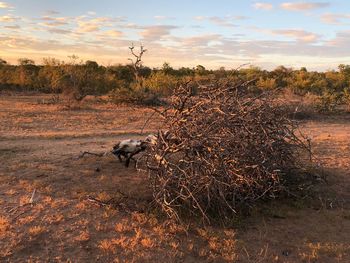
(146, 122)
(117, 203)
(224, 148)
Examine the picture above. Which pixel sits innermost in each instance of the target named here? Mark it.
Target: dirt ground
(39, 148)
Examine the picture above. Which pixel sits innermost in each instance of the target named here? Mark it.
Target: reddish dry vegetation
(39, 146)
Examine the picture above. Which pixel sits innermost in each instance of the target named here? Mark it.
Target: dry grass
(107, 246)
(84, 236)
(22, 117)
(26, 220)
(36, 230)
(62, 225)
(316, 251)
(4, 225)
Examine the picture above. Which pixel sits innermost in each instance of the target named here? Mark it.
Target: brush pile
(223, 148)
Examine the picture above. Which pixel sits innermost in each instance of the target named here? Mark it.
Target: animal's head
(116, 146)
(151, 139)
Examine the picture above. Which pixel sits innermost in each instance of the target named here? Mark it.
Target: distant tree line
(78, 79)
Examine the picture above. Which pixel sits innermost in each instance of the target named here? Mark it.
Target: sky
(183, 33)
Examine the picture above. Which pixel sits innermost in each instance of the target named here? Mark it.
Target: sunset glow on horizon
(314, 34)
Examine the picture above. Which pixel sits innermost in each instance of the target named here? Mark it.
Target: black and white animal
(129, 148)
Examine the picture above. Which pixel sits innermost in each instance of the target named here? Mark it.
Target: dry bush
(223, 149)
(328, 102)
(135, 96)
(160, 83)
(300, 107)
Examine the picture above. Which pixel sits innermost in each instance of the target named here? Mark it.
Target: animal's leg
(131, 157)
(135, 161)
(118, 155)
(127, 161)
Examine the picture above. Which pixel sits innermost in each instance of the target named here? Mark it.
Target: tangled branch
(223, 148)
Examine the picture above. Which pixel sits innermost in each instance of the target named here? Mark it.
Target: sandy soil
(39, 146)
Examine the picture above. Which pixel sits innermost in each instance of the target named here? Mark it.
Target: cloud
(303, 6)
(14, 27)
(221, 21)
(54, 24)
(200, 41)
(132, 26)
(88, 25)
(196, 26)
(240, 17)
(103, 19)
(225, 21)
(14, 46)
(212, 50)
(300, 35)
(88, 28)
(334, 19)
(25, 42)
(263, 6)
(59, 31)
(163, 17)
(4, 5)
(113, 33)
(296, 34)
(52, 12)
(8, 18)
(108, 42)
(153, 33)
(342, 39)
(55, 21)
(200, 17)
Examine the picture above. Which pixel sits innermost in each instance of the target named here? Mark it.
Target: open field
(39, 146)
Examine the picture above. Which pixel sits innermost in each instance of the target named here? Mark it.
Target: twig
(14, 218)
(31, 201)
(146, 122)
(96, 201)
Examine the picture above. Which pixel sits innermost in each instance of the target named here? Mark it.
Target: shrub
(135, 95)
(346, 98)
(160, 83)
(328, 102)
(266, 84)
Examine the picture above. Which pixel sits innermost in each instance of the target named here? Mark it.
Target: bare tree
(137, 62)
